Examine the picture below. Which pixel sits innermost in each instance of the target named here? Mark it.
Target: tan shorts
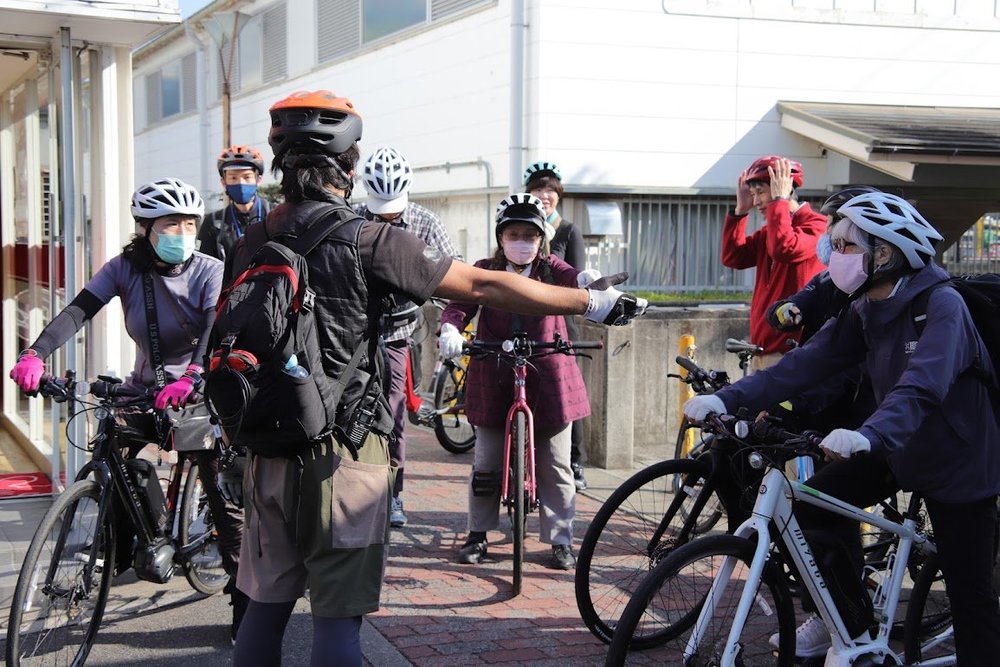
(319, 522)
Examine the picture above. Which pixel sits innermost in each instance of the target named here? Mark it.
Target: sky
(189, 7)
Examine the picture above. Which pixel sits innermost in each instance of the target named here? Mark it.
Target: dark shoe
(473, 552)
(578, 478)
(239, 601)
(562, 557)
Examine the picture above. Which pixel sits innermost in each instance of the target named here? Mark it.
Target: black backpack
(981, 293)
(265, 382)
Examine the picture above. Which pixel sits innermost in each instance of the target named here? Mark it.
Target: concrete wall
(635, 406)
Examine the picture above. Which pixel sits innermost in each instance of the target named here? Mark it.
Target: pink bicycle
(518, 492)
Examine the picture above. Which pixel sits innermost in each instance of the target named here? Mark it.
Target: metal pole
(518, 26)
(67, 196)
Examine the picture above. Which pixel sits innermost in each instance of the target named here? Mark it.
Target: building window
(261, 53)
(379, 19)
(171, 89)
(344, 26)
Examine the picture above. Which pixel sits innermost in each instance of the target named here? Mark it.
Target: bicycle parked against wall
(64, 582)
(447, 389)
(518, 491)
(719, 599)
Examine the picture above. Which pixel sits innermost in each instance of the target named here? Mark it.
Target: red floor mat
(24, 484)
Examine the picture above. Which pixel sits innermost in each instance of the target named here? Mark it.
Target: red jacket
(555, 388)
(784, 253)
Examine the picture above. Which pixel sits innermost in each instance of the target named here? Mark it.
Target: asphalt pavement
(435, 612)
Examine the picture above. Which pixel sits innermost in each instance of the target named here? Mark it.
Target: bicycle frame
(520, 405)
(773, 504)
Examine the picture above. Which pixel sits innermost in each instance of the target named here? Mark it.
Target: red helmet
(758, 170)
(241, 156)
(318, 122)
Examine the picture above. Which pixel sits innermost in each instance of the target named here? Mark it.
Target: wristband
(29, 352)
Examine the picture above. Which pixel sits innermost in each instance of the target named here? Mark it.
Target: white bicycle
(718, 600)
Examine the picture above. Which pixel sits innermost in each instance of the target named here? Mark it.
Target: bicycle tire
(516, 490)
(667, 604)
(683, 451)
(617, 550)
(203, 569)
(452, 429)
(39, 632)
(928, 616)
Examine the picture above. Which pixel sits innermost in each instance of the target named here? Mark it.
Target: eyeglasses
(841, 244)
(523, 236)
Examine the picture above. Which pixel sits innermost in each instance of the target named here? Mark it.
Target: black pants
(963, 532)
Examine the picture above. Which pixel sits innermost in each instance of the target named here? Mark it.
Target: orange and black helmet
(240, 156)
(314, 122)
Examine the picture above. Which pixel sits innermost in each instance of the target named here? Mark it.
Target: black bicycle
(113, 517)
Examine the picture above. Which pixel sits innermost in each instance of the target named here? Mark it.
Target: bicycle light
(741, 429)
(756, 461)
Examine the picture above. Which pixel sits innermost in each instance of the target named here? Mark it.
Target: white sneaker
(812, 639)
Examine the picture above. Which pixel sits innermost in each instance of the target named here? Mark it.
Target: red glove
(28, 370)
(175, 394)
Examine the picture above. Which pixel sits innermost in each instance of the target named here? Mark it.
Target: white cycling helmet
(895, 221)
(523, 207)
(166, 196)
(387, 177)
(540, 169)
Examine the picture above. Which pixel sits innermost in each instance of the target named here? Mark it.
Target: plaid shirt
(426, 226)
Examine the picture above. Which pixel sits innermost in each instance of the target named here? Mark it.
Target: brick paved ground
(437, 612)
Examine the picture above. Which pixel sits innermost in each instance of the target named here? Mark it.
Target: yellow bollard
(687, 348)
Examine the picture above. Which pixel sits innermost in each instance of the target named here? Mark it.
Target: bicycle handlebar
(700, 379)
(519, 346)
(765, 434)
(743, 347)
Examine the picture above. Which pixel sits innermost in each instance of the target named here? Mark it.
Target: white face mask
(847, 271)
(520, 252)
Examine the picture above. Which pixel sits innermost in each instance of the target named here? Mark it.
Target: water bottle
(292, 368)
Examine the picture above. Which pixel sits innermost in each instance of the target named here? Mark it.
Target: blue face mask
(175, 248)
(824, 248)
(242, 193)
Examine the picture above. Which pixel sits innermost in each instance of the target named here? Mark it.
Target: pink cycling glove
(174, 394)
(28, 370)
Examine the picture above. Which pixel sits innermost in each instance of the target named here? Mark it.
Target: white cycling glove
(230, 480)
(844, 443)
(610, 306)
(450, 341)
(699, 407)
(587, 276)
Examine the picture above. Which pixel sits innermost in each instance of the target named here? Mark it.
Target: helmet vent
(331, 117)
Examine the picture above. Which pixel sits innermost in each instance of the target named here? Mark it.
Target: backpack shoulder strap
(918, 307)
(324, 224)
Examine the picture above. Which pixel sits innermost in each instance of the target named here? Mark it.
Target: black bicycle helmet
(838, 199)
(314, 122)
(521, 207)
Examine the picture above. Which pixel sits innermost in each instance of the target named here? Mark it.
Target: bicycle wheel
(517, 507)
(639, 524)
(452, 429)
(690, 443)
(669, 600)
(203, 568)
(927, 631)
(63, 585)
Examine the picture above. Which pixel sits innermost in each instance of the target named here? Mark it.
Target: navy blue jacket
(934, 423)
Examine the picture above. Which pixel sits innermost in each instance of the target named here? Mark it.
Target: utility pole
(224, 28)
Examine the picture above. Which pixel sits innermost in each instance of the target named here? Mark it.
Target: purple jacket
(935, 422)
(555, 388)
